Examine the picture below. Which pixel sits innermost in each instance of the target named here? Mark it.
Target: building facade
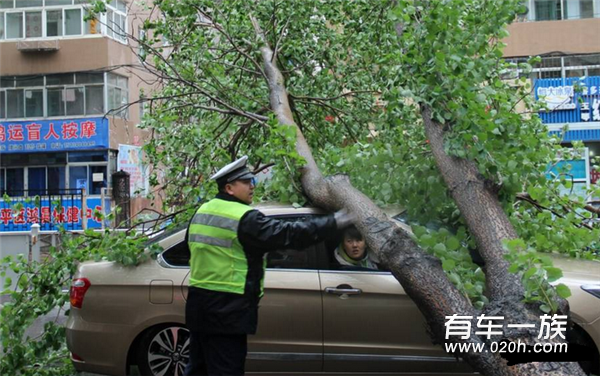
(566, 35)
(69, 88)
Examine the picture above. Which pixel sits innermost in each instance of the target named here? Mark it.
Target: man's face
(241, 189)
(354, 248)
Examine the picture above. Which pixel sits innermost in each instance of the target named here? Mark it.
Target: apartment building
(566, 35)
(65, 124)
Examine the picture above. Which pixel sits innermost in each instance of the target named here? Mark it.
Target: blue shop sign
(53, 135)
(569, 100)
(50, 215)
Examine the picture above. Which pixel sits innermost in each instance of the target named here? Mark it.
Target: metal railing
(50, 208)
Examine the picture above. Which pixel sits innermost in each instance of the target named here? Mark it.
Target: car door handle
(342, 291)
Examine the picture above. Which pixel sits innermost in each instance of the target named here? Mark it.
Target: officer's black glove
(343, 218)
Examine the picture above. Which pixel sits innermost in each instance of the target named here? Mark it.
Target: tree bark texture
(420, 274)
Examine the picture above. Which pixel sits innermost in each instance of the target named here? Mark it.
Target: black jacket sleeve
(259, 234)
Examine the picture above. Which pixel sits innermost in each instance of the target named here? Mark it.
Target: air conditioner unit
(38, 45)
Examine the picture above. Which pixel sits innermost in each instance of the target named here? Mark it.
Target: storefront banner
(51, 216)
(53, 135)
(569, 100)
(131, 160)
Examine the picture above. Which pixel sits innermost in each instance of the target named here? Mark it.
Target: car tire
(164, 351)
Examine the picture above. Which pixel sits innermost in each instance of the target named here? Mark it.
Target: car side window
(293, 258)
(177, 255)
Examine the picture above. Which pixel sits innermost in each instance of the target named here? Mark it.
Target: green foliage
(38, 291)
(355, 88)
(453, 251)
(537, 272)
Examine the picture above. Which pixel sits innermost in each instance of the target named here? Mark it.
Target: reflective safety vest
(218, 261)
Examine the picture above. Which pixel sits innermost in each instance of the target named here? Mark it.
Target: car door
(290, 323)
(371, 325)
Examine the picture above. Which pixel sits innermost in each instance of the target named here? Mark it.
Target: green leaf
(530, 272)
(563, 290)
(448, 264)
(439, 248)
(553, 273)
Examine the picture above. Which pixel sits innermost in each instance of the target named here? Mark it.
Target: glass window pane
(547, 10)
(33, 24)
(88, 156)
(72, 21)
(122, 82)
(78, 177)
(2, 105)
(29, 3)
(112, 79)
(58, 2)
(6, 4)
(92, 26)
(54, 23)
(90, 78)
(109, 23)
(95, 182)
(1, 25)
(123, 27)
(56, 105)
(56, 179)
(7, 82)
(14, 25)
(575, 73)
(2, 186)
(36, 181)
(114, 98)
(74, 99)
(586, 8)
(594, 72)
(15, 106)
(15, 181)
(60, 79)
(121, 6)
(34, 103)
(29, 81)
(94, 100)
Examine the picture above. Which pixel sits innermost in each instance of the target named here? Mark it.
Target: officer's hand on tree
(343, 218)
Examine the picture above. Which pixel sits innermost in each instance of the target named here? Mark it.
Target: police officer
(228, 240)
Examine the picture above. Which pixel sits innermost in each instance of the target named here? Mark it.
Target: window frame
(101, 27)
(102, 88)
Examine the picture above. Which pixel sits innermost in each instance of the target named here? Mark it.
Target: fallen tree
(372, 88)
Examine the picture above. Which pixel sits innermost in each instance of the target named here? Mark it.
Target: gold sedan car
(315, 317)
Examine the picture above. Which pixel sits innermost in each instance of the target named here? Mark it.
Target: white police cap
(236, 170)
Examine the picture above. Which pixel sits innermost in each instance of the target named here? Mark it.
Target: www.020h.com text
(506, 347)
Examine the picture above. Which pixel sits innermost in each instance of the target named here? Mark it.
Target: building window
(73, 21)
(54, 23)
(548, 10)
(118, 95)
(33, 24)
(560, 67)
(59, 95)
(14, 25)
(553, 10)
(1, 25)
(61, 18)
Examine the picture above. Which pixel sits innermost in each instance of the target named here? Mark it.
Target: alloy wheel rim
(169, 351)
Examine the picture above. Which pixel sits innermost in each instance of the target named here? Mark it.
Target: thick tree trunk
(420, 274)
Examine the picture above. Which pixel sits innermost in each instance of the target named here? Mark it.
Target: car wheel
(164, 351)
